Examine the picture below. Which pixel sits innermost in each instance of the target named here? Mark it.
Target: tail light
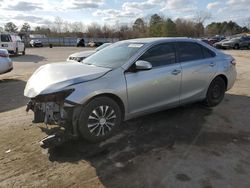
(233, 62)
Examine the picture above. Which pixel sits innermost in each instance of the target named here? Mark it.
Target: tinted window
(189, 51)
(162, 54)
(207, 53)
(5, 38)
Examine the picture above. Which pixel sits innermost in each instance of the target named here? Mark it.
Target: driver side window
(160, 55)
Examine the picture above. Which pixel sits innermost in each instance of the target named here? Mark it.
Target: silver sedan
(6, 64)
(128, 79)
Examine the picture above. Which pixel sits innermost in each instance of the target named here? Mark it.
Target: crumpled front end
(51, 108)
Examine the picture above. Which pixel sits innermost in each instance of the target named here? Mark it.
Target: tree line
(155, 26)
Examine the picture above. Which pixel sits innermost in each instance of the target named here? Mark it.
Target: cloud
(238, 5)
(213, 5)
(239, 2)
(82, 4)
(32, 19)
(179, 6)
(112, 14)
(24, 6)
(128, 6)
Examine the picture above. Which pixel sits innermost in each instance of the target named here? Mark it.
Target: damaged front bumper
(48, 112)
(54, 109)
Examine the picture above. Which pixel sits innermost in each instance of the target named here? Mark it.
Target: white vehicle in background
(36, 43)
(5, 62)
(12, 43)
(79, 56)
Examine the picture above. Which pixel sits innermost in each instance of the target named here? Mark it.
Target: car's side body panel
(106, 85)
(196, 76)
(153, 88)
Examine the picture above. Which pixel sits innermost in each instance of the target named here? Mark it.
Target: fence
(68, 41)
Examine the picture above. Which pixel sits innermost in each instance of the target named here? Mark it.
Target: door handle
(212, 64)
(176, 71)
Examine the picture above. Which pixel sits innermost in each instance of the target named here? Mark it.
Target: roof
(158, 39)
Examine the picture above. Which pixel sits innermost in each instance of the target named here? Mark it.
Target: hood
(54, 77)
(83, 54)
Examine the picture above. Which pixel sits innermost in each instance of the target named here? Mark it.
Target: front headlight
(54, 97)
(79, 59)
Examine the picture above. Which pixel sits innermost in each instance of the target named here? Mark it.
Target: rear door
(198, 68)
(151, 89)
(20, 44)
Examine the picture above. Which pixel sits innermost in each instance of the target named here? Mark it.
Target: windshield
(113, 56)
(102, 46)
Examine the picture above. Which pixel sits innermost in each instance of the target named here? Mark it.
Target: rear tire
(16, 52)
(216, 92)
(99, 119)
(236, 46)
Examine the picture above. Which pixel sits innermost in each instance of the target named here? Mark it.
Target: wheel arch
(116, 98)
(223, 77)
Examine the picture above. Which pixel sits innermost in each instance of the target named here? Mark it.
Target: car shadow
(28, 58)
(11, 91)
(160, 131)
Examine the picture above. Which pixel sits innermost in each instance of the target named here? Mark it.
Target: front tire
(216, 92)
(99, 119)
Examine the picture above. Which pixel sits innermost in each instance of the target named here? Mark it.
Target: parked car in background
(91, 44)
(80, 42)
(79, 56)
(12, 43)
(5, 62)
(219, 44)
(215, 39)
(36, 43)
(126, 80)
(237, 43)
(206, 41)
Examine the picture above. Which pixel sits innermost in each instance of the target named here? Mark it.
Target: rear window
(208, 53)
(5, 38)
(189, 51)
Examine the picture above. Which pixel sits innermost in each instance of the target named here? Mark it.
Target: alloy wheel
(101, 120)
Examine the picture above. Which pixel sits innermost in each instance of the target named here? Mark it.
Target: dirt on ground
(190, 146)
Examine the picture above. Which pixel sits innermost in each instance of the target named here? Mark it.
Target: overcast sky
(43, 12)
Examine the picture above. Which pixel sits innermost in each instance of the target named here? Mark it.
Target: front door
(149, 90)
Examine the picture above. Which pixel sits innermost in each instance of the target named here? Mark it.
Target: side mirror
(143, 65)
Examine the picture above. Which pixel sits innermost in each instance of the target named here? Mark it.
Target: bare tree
(58, 24)
(94, 30)
(66, 27)
(77, 27)
(202, 17)
(246, 23)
